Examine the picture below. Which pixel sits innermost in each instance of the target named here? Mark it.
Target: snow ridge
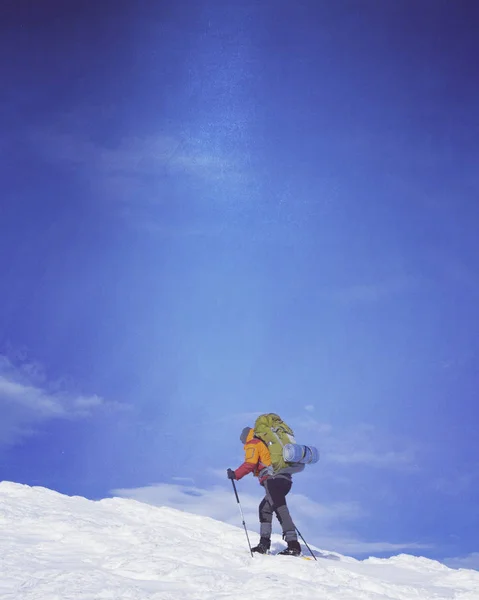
(56, 547)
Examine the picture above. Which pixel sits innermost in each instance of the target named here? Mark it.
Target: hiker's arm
(244, 469)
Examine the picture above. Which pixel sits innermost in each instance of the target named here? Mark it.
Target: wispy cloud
(140, 171)
(352, 545)
(361, 444)
(321, 523)
(184, 479)
(149, 155)
(215, 502)
(218, 502)
(469, 561)
(386, 459)
(27, 400)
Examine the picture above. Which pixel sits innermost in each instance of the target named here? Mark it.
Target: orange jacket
(257, 459)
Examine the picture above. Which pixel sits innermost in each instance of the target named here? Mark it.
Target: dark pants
(275, 502)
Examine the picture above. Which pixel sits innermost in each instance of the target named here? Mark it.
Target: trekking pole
(242, 517)
(305, 543)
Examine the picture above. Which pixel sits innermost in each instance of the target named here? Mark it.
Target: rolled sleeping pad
(297, 453)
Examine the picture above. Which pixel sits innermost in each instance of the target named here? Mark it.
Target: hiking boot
(293, 549)
(263, 546)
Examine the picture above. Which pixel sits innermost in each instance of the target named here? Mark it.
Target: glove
(231, 474)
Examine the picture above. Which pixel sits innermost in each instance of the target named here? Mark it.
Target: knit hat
(244, 434)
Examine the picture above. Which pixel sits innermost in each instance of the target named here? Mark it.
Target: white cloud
(327, 513)
(30, 398)
(27, 400)
(184, 479)
(385, 459)
(470, 561)
(312, 426)
(216, 472)
(361, 444)
(322, 524)
(217, 502)
(351, 545)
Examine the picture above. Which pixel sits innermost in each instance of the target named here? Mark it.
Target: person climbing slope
(277, 484)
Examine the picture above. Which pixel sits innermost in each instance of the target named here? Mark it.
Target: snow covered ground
(55, 547)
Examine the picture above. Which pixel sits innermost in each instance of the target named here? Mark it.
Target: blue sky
(214, 209)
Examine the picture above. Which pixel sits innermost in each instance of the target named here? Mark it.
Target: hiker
(277, 486)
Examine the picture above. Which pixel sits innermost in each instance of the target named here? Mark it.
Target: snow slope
(55, 547)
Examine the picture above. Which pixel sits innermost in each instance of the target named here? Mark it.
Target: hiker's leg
(277, 489)
(265, 518)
